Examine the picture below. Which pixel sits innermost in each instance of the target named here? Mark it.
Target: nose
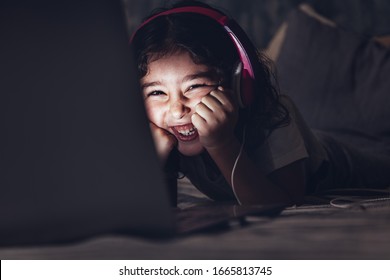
(178, 108)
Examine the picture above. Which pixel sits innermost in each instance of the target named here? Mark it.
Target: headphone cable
(235, 165)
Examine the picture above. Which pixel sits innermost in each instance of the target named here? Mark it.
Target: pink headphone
(244, 84)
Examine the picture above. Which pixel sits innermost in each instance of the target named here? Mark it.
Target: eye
(192, 87)
(199, 89)
(155, 93)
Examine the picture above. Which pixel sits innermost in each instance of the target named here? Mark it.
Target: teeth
(187, 132)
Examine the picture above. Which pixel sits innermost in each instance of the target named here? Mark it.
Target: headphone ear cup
(247, 96)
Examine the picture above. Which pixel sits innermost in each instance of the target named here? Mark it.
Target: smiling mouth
(185, 132)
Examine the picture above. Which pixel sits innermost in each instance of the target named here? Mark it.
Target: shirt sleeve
(283, 146)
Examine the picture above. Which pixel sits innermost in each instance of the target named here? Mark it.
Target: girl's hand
(215, 118)
(163, 141)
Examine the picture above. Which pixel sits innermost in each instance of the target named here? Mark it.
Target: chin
(190, 150)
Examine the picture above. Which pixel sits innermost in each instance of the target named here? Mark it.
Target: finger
(223, 97)
(153, 126)
(204, 111)
(163, 137)
(211, 102)
(226, 91)
(199, 122)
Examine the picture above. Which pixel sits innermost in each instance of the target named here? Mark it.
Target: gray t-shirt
(289, 143)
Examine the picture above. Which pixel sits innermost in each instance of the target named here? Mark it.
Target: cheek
(155, 113)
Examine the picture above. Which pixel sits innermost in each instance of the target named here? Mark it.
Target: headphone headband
(221, 18)
(232, 28)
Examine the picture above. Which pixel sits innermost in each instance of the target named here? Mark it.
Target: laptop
(76, 154)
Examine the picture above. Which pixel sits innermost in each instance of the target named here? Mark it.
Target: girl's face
(172, 88)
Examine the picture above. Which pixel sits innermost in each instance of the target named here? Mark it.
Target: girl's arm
(251, 186)
(215, 118)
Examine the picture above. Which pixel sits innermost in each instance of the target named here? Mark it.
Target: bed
(314, 231)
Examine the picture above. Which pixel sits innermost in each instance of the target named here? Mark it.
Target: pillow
(273, 48)
(339, 80)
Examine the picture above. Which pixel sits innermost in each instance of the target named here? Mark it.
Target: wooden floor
(315, 231)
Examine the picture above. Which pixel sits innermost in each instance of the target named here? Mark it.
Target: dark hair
(208, 43)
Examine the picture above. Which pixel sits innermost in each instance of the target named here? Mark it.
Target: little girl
(210, 96)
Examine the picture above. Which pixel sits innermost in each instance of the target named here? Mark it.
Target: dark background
(261, 18)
